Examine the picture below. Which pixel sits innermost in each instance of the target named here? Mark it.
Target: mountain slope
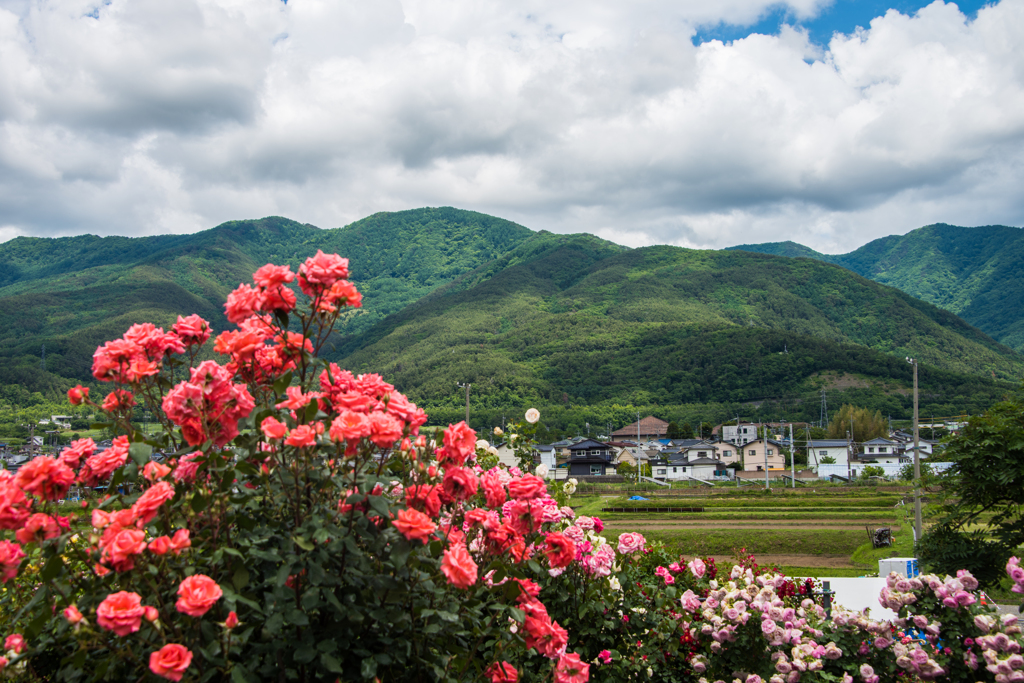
(587, 323)
(71, 294)
(977, 273)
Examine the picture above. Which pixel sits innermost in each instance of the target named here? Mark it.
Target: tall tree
(673, 431)
(982, 518)
(866, 425)
(686, 431)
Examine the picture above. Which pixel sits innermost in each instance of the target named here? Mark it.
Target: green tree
(826, 460)
(866, 425)
(674, 432)
(981, 520)
(686, 431)
(872, 471)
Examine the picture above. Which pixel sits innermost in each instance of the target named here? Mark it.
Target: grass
(756, 542)
(765, 503)
(756, 515)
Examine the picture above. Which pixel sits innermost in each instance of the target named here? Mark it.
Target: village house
(590, 458)
(649, 428)
(837, 449)
(757, 454)
(739, 434)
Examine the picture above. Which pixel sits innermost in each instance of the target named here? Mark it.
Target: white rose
(542, 470)
(497, 431)
(482, 443)
(614, 583)
(492, 450)
(532, 415)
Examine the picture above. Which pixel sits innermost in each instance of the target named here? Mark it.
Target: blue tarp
(638, 498)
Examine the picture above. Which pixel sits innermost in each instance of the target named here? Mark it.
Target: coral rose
(121, 613)
(571, 670)
(120, 552)
(527, 488)
(560, 550)
(170, 661)
(149, 502)
(45, 478)
(180, 541)
(78, 394)
(502, 672)
(301, 437)
(39, 527)
(99, 466)
(11, 556)
(15, 642)
(460, 483)
(155, 470)
(423, 497)
(414, 525)
(14, 506)
(458, 567)
(459, 442)
(197, 594)
(273, 428)
(160, 545)
(73, 615)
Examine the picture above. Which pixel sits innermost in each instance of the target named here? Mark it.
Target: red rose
(301, 436)
(180, 541)
(170, 661)
(459, 442)
(423, 497)
(101, 465)
(273, 429)
(560, 551)
(196, 595)
(545, 635)
(121, 613)
(458, 567)
(460, 483)
(78, 394)
(494, 490)
(527, 488)
(39, 527)
(414, 525)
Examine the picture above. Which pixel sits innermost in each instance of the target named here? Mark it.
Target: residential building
(739, 434)
(757, 454)
(837, 449)
(590, 458)
(647, 429)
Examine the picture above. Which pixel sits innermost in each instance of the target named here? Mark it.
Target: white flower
(492, 450)
(569, 487)
(542, 470)
(482, 443)
(614, 583)
(532, 415)
(650, 672)
(574, 481)
(497, 431)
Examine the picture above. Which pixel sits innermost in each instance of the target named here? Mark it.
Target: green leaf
(305, 654)
(283, 382)
(369, 667)
(140, 453)
(303, 543)
(239, 674)
(240, 579)
(52, 568)
(330, 663)
(199, 503)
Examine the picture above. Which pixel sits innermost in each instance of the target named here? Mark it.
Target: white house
(739, 434)
(837, 449)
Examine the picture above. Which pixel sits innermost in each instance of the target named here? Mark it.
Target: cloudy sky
(702, 124)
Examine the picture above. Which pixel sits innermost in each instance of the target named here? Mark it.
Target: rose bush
(298, 527)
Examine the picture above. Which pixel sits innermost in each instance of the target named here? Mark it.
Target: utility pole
(917, 460)
(765, 447)
(792, 455)
(466, 386)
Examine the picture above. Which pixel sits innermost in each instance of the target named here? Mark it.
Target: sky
(686, 122)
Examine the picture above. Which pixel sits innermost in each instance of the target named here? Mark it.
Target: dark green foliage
(984, 486)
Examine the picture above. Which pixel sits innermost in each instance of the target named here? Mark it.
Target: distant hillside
(581, 321)
(977, 273)
(71, 294)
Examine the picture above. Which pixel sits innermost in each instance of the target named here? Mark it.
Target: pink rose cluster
(1016, 574)
(208, 406)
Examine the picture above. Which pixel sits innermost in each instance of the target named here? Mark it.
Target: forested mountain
(71, 294)
(582, 321)
(528, 318)
(977, 273)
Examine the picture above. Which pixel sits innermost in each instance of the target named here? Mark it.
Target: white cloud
(142, 116)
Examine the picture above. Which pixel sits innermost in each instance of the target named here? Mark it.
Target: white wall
(825, 471)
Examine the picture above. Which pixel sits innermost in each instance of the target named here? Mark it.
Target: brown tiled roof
(648, 426)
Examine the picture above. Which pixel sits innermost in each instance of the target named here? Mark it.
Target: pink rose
(631, 543)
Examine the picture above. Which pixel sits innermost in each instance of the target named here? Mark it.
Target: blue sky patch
(843, 16)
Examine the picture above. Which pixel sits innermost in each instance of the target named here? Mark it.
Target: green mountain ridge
(586, 322)
(977, 273)
(527, 317)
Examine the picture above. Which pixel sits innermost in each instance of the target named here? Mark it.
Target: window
(726, 454)
(771, 452)
(684, 469)
(595, 469)
(752, 453)
(823, 453)
(702, 454)
(871, 449)
(661, 471)
(675, 469)
(759, 469)
(881, 449)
